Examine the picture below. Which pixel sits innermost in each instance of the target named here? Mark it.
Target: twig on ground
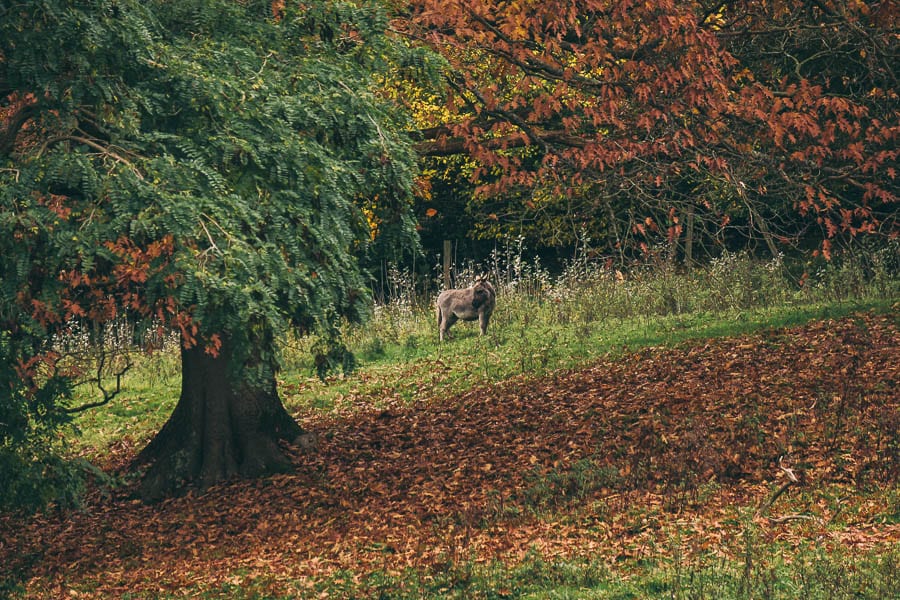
(791, 480)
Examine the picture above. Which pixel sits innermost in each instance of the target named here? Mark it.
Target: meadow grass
(758, 571)
(764, 572)
(541, 324)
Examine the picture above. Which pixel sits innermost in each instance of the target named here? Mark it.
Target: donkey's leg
(446, 324)
(483, 319)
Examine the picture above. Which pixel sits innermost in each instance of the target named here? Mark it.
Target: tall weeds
(588, 295)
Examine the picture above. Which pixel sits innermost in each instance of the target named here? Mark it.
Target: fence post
(448, 248)
(689, 238)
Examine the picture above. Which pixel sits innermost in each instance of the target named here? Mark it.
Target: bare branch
(792, 480)
(107, 394)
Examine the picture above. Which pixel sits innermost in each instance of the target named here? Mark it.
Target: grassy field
(547, 459)
(542, 324)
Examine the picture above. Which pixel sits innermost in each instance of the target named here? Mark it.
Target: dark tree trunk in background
(219, 429)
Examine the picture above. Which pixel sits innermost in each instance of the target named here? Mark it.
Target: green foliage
(252, 141)
(30, 473)
(198, 166)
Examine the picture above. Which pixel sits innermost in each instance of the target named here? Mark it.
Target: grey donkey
(475, 302)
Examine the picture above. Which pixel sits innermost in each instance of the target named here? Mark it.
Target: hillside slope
(602, 461)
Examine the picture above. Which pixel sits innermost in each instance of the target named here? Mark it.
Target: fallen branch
(791, 480)
(787, 518)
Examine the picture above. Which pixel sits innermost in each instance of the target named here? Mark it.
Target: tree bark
(221, 428)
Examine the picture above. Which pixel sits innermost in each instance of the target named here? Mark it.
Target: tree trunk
(220, 428)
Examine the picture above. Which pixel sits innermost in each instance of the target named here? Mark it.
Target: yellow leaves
(373, 221)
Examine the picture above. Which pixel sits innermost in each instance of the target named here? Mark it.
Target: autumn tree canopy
(209, 168)
(671, 122)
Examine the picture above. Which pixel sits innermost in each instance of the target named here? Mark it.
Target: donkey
(475, 302)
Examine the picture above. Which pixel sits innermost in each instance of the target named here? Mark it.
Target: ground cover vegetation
(491, 494)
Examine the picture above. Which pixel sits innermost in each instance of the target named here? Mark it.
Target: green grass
(760, 572)
(413, 367)
(773, 573)
(149, 393)
(533, 349)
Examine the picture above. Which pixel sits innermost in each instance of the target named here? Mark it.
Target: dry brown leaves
(449, 479)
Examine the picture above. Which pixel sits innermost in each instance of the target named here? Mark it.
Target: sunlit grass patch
(764, 572)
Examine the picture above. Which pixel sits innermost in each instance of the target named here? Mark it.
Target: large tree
(214, 168)
(671, 121)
